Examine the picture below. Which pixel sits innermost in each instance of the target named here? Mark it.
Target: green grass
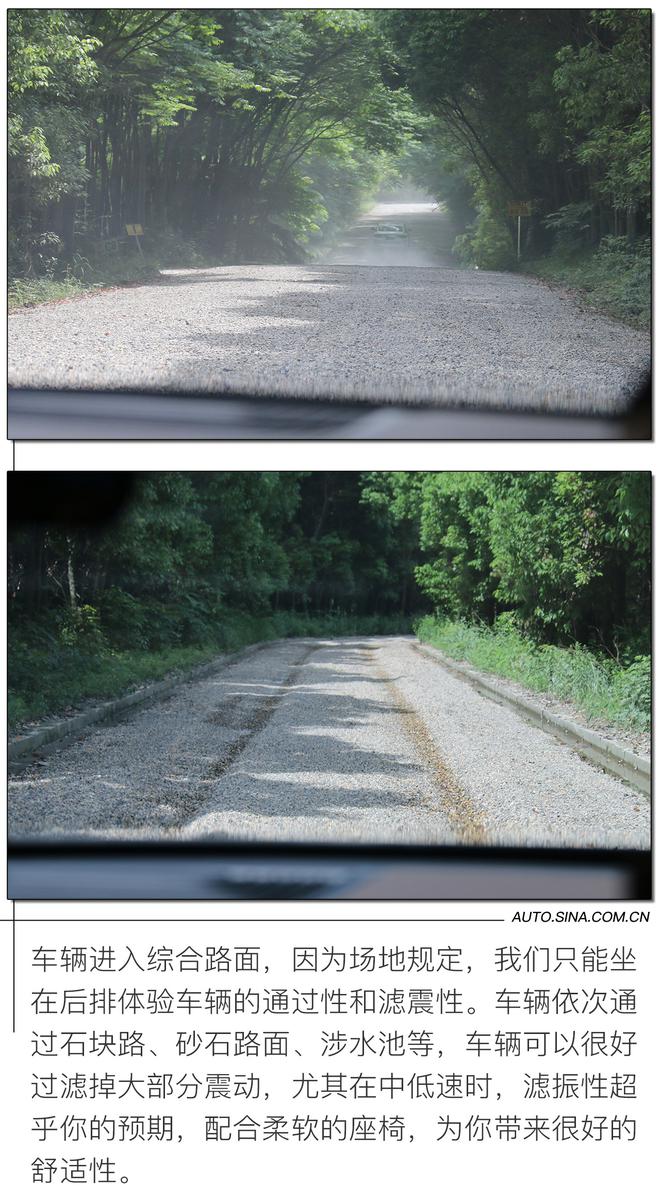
(599, 687)
(26, 293)
(47, 678)
(60, 681)
(95, 267)
(615, 279)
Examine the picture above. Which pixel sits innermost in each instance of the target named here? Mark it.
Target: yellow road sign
(134, 231)
(519, 208)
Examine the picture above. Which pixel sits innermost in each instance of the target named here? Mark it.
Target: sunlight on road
(425, 241)
(399, 209)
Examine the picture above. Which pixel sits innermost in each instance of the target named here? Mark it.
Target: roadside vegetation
(545, 108)
(77, 280)
(599, 686)
(81, 673)
(194, 566)
(103, 267)
(228, 135)
(238, 135)
(614, 279)
(541, 577)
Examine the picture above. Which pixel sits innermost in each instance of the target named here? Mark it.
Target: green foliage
(81, 276)
(198, 564)
(71, 675)
(99, 267)
(25, 293)
(244, 130)
(244, 134)
(570, 226)
(615, 278)
(48, 50)
(631, 691)
(545, 106)
(604, 90)
(598, 686)
(554, 547)
(487, 242)
(206, 561)
(80, 629)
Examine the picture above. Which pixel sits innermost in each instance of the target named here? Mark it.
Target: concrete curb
(21, 746)
(621, 762)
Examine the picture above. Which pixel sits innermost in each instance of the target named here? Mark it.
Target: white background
(497, 1171)
(329, 1170)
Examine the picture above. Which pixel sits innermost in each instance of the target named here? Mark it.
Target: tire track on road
(464, 815)
(189, 804)
(260, 718)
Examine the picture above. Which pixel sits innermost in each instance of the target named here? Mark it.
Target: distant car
(389, 230)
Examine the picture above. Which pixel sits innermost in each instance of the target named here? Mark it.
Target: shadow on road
(322, 755)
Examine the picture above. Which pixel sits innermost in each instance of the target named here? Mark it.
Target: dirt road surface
(360, 740)
(384, 321)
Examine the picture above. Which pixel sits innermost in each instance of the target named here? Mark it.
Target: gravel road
(390, 322)
(361, 740)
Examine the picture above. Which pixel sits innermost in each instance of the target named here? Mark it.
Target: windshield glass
(331, 657)
(424, 206)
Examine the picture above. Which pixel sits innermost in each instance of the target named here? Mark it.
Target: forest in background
(540, 576)
(549, 107)
(242, 134)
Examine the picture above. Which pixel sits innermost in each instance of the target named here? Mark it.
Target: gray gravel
(342, 739)
(637, 741)
(147, 772)
(341, 330)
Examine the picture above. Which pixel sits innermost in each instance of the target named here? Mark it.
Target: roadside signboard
(135, 231)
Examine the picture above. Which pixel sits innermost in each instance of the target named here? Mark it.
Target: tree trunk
(71, 578)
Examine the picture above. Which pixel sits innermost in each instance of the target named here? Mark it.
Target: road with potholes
(361, 740)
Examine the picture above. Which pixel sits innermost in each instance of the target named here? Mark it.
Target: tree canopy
(217, 123)
(116, 578)
(248, 131)
(566, 553)
(546, 106)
